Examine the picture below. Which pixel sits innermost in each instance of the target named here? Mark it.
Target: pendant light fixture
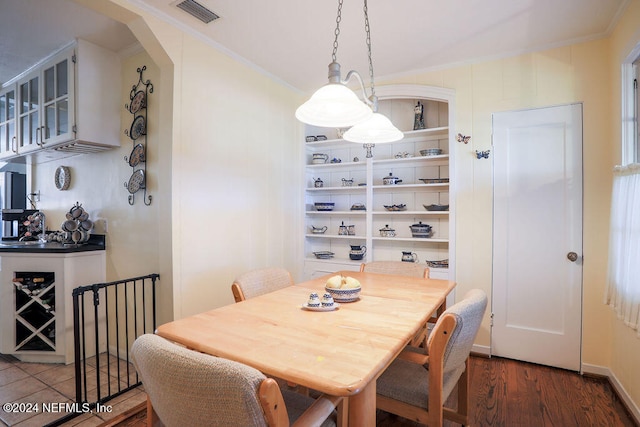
(335, 105)
(377, 128)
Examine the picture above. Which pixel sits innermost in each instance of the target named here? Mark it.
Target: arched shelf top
(412, 91)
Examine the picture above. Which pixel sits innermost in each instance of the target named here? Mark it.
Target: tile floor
(29, 383)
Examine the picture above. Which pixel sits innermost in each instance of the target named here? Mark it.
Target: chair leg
(461, 415)
(343, 413)
(463, 393)
(152, 417)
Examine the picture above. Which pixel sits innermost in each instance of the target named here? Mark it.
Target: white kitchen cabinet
(69, 103)
(29, 135)
(426, 180)
(8, 119)
(37, 323)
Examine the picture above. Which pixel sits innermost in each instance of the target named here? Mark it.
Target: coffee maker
(13, 203)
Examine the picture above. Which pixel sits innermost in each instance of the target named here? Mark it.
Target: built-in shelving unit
(347, 162)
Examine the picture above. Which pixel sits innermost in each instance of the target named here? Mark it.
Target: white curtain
(623, 289)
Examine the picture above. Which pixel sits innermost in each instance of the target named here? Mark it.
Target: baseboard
(481, 350)
(618, 388)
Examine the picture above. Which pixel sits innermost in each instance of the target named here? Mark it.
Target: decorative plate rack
(137, 106)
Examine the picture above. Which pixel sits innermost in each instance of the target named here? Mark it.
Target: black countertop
(96, 243)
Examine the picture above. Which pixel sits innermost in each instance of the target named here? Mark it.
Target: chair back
(195, 389)
(468, 314)
(401, 268)
(261, 281)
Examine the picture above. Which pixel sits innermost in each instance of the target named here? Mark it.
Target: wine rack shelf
(35, 311)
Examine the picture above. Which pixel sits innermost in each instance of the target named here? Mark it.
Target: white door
(537, 237)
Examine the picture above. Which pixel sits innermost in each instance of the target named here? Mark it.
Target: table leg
(362, 407)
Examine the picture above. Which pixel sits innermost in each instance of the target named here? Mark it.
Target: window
(636, 106)
(623, 284)
(631, 108)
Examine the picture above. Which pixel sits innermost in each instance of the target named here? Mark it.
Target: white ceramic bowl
(344, 295)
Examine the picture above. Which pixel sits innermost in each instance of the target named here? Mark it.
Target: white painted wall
(235, 198)
(97, 182)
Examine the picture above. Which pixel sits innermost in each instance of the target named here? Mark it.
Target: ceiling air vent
(197, 10)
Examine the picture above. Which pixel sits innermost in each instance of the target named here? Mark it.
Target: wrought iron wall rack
(137, 160)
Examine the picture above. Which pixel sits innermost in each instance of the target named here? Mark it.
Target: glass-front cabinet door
(8, 121)
(45, 100)
(56, 102)
(29, 132)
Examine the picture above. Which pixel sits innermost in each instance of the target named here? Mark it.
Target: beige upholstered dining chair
(260, 281)
(188, 388)
(412, 269)
(418, 382)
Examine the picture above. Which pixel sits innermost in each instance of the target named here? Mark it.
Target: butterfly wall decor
(482, 154)
(463, 138)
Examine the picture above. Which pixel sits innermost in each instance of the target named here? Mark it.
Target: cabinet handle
(14, 146)
(39, 132)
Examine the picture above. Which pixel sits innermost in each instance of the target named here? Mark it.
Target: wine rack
(35, 311)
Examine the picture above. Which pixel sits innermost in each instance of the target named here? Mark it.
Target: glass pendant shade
(333, 105)
(375, 130)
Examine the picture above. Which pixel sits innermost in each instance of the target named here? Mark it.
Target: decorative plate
(436, 207)
(335, 306)
(395, 208)
(434, 180)
(136, 181)
(137, 155)
(324, 254)
(138, 102)
(63, 178)
(138, 128)
(439, 264)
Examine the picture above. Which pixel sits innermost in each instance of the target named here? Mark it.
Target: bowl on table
(343, 288)
(344, 295)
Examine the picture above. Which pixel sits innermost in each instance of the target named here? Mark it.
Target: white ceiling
(292, 40)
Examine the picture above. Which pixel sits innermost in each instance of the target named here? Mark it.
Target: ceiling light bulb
(333, 105)
(375, 130)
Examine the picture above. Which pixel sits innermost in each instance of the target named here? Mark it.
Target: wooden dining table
(340, 352)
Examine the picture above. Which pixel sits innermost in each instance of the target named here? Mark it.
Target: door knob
(572, 256)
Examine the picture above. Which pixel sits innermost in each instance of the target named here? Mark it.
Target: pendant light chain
(337, 31)
(367, 30)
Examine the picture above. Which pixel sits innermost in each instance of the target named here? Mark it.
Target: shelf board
(341, 188)
(440, 160)
(411, 239)
(341, 165)
(409, 136)
(409, 187)
(336, 212)
(335, 236)
(335, 261)
(411, 213)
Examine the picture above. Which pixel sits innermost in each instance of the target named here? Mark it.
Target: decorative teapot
(357, 252)
(390, 180)
(317, 182)
(408, 256)
(387, 232)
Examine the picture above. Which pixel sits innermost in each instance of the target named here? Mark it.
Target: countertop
(96, 243)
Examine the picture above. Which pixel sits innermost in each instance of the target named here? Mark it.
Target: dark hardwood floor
(516, 394)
